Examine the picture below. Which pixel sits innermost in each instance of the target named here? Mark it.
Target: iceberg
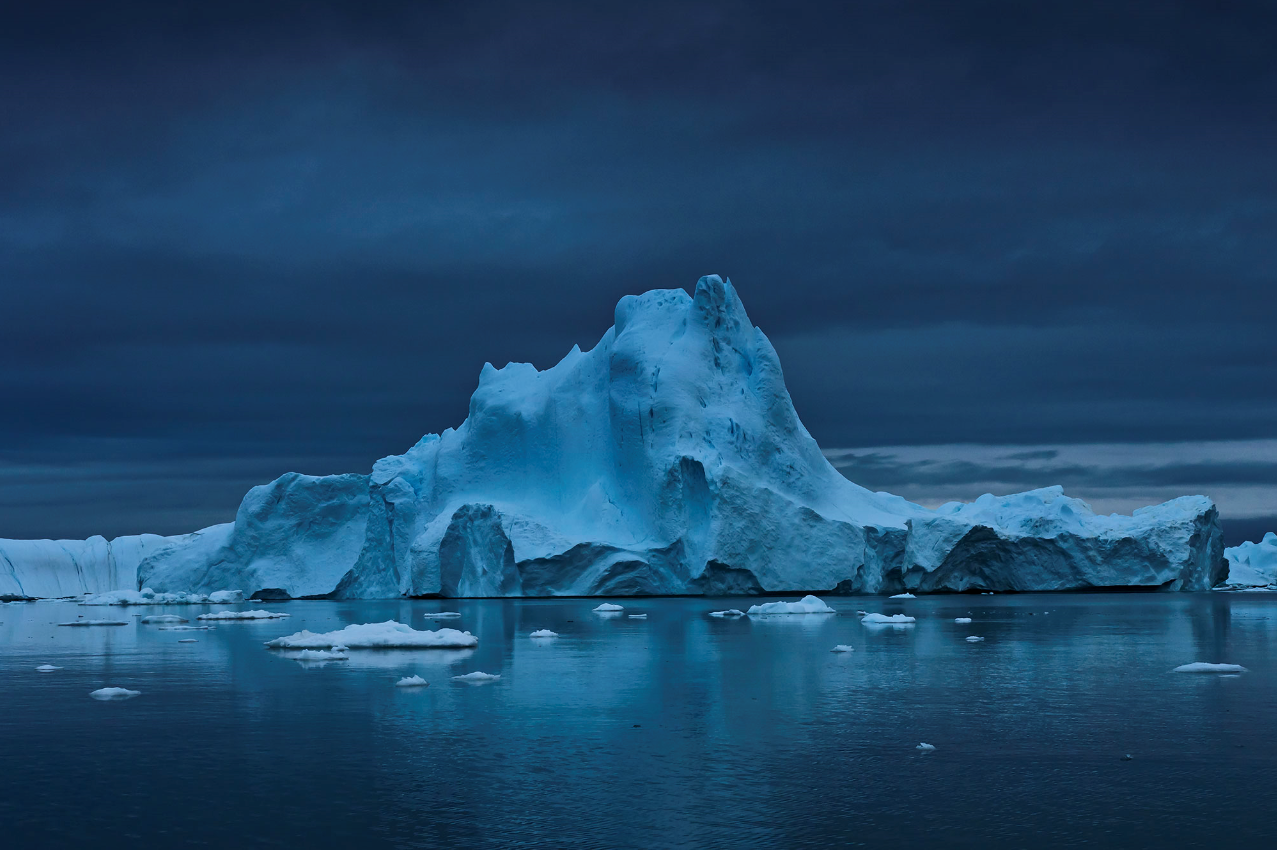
(728, 613)
(809, 604)
(147, 597)
(924, 747)
(962, 621)
(1252, 564)
(879, 618)
(113, 693)
(442, 615)
(477, 677)
(975, 638)
(309, 656)
(47, 668)
(241, 615)
(841, 649)
(666, 460)
(904, 595)
(414, 680)
(543, 634)
(185, 641)
(1209, 668)
(180, 627)
(387, 634)
(607, 607)
(164, 619)
(94, 622)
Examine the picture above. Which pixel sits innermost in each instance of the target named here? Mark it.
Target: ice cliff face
(1253, 564)
(668, 459)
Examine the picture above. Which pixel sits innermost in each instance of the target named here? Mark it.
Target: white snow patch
(241, 615)
(113, 693)
(808, 605)
(544, 634)
(1209, 668)
(607, 607)
(47, 668)
(841, 649)
(414, 680)
(388, 634)
(879, 618)
(477, 677)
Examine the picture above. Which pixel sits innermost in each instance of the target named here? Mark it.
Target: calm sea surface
(675, 730)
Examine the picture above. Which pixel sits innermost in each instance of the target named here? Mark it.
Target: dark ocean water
(677, 730)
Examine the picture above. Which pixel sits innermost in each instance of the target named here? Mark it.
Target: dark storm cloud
(290, 234)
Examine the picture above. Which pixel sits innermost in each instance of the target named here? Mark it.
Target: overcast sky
(240, 239)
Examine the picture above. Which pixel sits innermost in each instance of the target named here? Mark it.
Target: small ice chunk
(443, 615)
(728, 613)
(387, 634)
(309, 656)
(1230, 675)
(47, 668)
(544, 634)
(1210, 668)
(809, 604)
(904, 595)
(607, 607)
(926, 747)
(164, 619)
(643, 615)
(841, 649)
(113, 693)
(184, 641)
(975, 638)
(879, 618)
(477, 677)
(94, 622)
(962, 621)
(189, 627)
(241, 615)
(414, 680)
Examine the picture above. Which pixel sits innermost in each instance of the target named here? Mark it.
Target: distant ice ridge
(809, 604)
(667, 459)
(388, 634)
(146, 597)
(1252, 564)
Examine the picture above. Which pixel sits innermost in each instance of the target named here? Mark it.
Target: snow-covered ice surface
(879, 618)
(842, 649)
(904, 595)
(962, 621)
(808, 605)
(543, 634)
(388, 634)
(93, 622)
(728, 613)
(608, 607)
(47, 668)
(1210, 668)
(477, 677)
(413, 680)
(113, 693)
(163, 619)
(241, 615)
(1252, 564)
(667, 459)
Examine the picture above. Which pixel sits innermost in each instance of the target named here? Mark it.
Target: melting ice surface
(749, 729)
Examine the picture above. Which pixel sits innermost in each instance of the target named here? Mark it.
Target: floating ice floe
(879, 618)
(309, 656)
(241, 615)
(641, 615)
(841, 649)
(113, 693)
(185, 641)
(47, 668)
(962, 621)
(925, 747)
(94, 622)
(728, 613)
(189, 627)
(477, 677)
(431, 615)
(414, 680)
(607, 607)
(147, 597)
(904, 595)
(975, 638)
(387, 634)
(164, 619)
(808, 605)
(1210, 668)
(544, 634)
